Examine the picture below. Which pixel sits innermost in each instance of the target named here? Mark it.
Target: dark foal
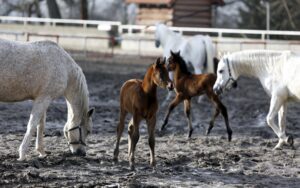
(138, 97)
(188, 85)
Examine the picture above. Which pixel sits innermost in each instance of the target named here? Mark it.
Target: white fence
(139, 39)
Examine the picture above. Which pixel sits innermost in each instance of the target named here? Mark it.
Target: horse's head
(160, 74)
(159, 31)
(225, 78)
(77, 135)
(173, 60)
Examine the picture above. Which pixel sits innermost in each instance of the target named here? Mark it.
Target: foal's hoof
(190, 133)
(207, 132)
(229, 137)
(132, 168)
(115, 160)
(290, 141)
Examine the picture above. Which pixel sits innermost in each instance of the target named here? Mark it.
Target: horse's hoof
(290, 141)
(21, 159)
(207, 132)
(42, 155)
(277, 148)
(229, 137)
(132, 168)
(190, 133)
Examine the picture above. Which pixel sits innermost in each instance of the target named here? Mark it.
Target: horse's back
(28, 70)
(291, 76)
(129, 94)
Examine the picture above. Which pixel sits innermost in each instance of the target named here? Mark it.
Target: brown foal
(138, 97)
(188, 85)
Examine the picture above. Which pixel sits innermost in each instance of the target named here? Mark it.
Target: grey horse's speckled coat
(42, 71)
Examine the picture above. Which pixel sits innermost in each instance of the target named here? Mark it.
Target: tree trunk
(83, 10)
(53, 9)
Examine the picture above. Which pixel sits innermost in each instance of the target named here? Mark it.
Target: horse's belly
(13, 93)
(294, 91)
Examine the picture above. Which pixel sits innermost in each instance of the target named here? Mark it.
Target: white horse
(278, 72)
(196, 50)
(42, 71)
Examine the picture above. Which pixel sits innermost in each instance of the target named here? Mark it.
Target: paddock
(210, 161)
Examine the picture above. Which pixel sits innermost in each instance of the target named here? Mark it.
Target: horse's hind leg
(151, 129)
(39, 108)
(219, 105)
(39, 146)
(212, 121)
(275, 105)
(187, 111)
(282, 125)
(133, 138)
(120, 130)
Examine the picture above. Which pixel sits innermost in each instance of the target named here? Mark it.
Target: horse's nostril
(80, 152)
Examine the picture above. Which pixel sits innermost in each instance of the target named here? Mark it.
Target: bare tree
(83, 10)
(53, 9)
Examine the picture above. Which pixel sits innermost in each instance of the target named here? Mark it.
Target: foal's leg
(151, 129)
(212, 121)
(120, 130)
(178, 99)
(220, 107)
(38, 110)
(187, 111)
(134, 134)
(39, 146)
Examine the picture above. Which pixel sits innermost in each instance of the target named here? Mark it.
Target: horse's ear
(157, 62)
(178, 53)
(172, 53)
(164, 61)
(91, 112)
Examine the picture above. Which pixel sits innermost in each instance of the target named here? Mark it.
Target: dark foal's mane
(182, 64)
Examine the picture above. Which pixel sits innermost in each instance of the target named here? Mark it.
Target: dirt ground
(202, 161)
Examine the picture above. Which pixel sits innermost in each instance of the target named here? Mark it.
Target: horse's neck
(148, 84)
(177, 74)
(168, 37)
(252, 67)
(77, 98)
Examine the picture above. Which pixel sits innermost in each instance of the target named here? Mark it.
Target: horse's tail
(210, 53)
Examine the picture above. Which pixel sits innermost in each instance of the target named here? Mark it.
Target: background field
(208, 161)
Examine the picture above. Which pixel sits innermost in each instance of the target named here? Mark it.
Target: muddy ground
(203, 161)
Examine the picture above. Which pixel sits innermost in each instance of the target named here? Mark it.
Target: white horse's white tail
(210, 53)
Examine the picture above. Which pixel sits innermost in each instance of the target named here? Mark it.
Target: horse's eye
(220, 71)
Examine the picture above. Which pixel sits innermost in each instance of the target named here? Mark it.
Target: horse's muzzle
(170, 86)
(80, 152)
(157, 43)
(217, 90)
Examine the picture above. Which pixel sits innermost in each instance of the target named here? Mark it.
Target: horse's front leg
(275, 105)
(39, 145)
(282, 125)
(178, 99)
(187, 111)
(38, 110)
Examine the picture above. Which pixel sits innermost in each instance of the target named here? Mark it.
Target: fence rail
(138, 38)
(143, 28)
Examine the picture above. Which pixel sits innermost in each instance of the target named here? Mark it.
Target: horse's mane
(182, 65)
(259, 59)
(80, 89)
